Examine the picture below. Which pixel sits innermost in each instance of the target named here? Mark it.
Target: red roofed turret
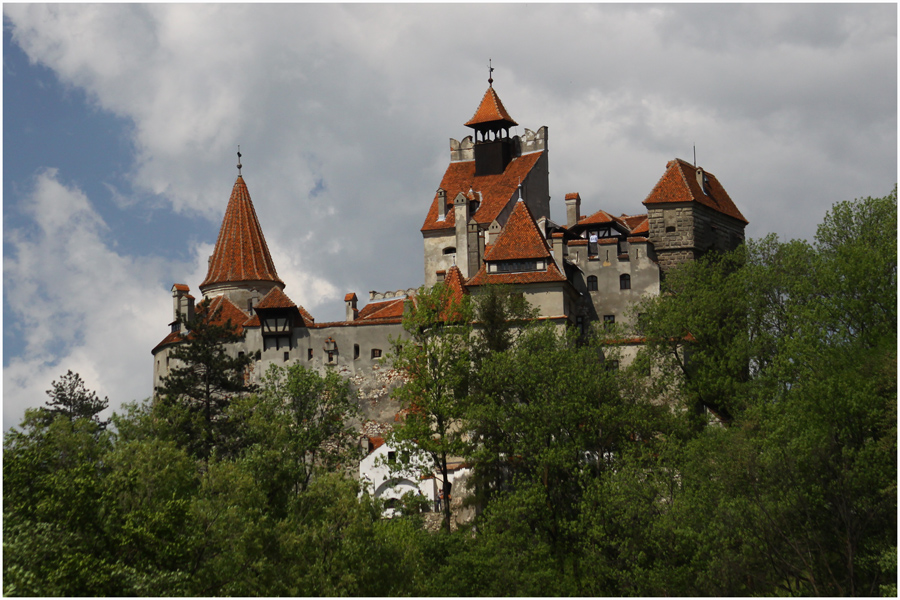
(241, 255)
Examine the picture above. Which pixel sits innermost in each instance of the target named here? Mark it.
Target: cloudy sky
(121, 125)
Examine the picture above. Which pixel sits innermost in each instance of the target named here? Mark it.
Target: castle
(488, 222)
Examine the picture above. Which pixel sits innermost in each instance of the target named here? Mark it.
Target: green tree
(195, 395)
(436, 362)
(295, 427)
(70, 399)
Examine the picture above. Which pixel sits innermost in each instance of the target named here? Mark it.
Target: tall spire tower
(240, 267)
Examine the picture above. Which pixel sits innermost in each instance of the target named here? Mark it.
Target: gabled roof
(679, 184)
(241, 252)
(496, 190)
(277, 299)
(491, 111)
(456, 283)
(600, 217)
(519, 239)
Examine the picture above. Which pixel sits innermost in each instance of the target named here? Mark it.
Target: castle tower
(480, 186)
(689, 214)
(240, 267)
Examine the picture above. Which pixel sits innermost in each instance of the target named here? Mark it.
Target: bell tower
(493, 147)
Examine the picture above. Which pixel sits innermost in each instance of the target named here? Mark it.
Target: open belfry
(489, 222)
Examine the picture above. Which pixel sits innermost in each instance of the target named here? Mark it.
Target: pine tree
(195, 394)
(69, 398)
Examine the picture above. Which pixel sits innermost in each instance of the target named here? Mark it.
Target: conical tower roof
(241, 252)
(491, 113)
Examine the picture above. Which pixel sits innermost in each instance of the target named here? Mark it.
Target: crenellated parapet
(462, 151)
(392, 295)
(530, 141)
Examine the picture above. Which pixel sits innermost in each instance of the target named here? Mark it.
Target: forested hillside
(750, 449)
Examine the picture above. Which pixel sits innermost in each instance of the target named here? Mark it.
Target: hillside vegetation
(750, 449)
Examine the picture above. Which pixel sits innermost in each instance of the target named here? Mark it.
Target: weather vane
(490, 74)
(239, 160)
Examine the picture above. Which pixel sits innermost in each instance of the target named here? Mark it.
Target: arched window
(592, 283)
(625, 282)
(449, 250)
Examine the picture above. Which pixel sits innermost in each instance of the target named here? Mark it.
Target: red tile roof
(390, 309)
(276, 298)
(456, 283)
(181, 287)
(639, 227)
(241, 252)
(679, 184)
(496, 190)
(491, 110)
(600, 217)
(228, 312)
(519, 239)
(350, 297)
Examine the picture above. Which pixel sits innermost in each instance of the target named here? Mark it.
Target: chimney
(442, 204)
(702, 181)
(558, 250)
(573, 209)
(461, 215)
(350, 300)
(182, 302)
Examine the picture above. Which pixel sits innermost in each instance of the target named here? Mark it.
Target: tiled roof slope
(241, 253)
(679, 184)
(491, 110)
(519, 239)
(209, 307)
(599, 217)
(392, 309)
(278, 299)
(456, 283)
(496, 190)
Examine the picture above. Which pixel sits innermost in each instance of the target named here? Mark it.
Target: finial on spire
(490, 74)
(239, 160)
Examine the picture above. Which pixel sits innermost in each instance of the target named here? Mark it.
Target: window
(449, 250)
(287, 355)
(355, 351)
(309, 354)
(592, 283)
(376, 353)
(392, 456)
(609, 320)
(625, 282)
(331, 356)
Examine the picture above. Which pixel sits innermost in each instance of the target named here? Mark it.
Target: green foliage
(295, 427)
(70, 399)
(195, 395)
(436, 362)
(588, 481)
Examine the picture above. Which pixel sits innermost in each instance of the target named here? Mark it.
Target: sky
(121, 124)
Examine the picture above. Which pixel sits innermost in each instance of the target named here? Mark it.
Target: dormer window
(274, 324)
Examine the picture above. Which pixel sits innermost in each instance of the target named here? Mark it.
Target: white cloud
(77, 304)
